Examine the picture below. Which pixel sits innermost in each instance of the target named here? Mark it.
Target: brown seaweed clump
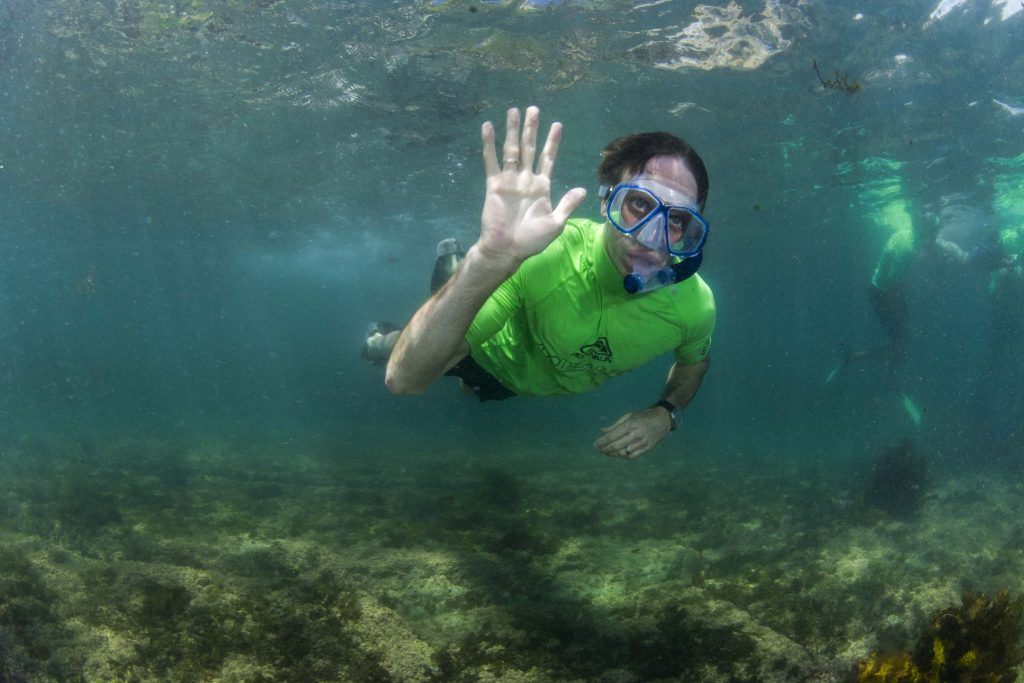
(975, 642)
(841, 82)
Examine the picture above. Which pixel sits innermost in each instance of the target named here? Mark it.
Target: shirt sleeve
(697, 344)
(495, 312)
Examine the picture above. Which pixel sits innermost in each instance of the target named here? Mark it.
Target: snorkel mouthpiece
(638, 282)
(634, 283)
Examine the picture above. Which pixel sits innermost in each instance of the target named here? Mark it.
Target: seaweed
(976, 641)
(667, 643)
(14, 665)
(31, 633)
(841, 82)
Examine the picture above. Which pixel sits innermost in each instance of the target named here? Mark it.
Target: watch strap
(673, 413)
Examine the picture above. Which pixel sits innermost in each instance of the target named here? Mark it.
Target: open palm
(518, 220)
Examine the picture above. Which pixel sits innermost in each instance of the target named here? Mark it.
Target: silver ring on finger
(509, 162)
(628, 449)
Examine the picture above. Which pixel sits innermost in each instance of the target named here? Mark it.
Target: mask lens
(639, 204)
(629, 207)
(685, 231)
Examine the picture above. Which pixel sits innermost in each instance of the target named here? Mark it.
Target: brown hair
(629, 155)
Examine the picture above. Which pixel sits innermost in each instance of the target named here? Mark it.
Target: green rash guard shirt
(563, 323)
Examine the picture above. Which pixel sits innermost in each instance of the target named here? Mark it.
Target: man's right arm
(517, 222)
(435, 338)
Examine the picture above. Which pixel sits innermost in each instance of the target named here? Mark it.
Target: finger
(529, 142)
(605, 442)
(617, 422)
(626, 451)
(635, 452)
(490, 155)
(613, 442)
(511, 149)
(569, 202)
(616, 449)
(550, 151)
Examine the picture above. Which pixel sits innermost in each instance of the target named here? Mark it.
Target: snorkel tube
(638, 282)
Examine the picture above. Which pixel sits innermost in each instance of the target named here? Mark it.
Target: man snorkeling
(543, 304)
(951, 232)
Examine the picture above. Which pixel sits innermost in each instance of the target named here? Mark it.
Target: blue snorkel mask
(660, 218)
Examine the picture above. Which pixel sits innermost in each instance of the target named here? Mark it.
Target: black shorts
(482, 383)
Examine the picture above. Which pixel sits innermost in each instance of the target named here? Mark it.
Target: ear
(603, 192)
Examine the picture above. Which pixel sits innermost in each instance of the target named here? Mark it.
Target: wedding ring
(628, 448)
(512, 161)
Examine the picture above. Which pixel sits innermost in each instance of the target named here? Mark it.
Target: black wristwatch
(673, 413)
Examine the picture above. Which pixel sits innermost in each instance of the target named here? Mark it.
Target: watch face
(673, 413)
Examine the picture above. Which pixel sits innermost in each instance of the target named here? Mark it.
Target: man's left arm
(637, 432)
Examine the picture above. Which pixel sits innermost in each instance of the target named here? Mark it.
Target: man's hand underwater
(518, 220)
(635, 433)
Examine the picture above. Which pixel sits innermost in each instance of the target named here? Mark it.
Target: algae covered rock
(382, 632)
(975, 641)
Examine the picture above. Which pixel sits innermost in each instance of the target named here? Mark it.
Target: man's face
(626, 253)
